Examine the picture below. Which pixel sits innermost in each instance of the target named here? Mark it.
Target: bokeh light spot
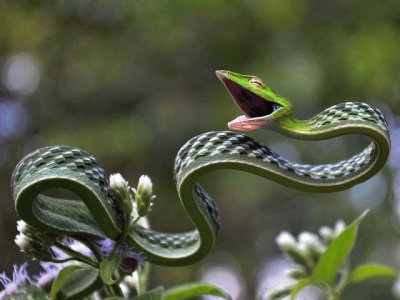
(21, 73)
(394, 158)
(14, 118)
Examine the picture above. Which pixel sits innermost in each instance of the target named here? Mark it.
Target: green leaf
(301, 284)
(75, 282)
(82, 283)
(58, 283)
(155, 294)
(108, 268)
(370, 270)
(337, 252)
(194, 289)
(278, 292)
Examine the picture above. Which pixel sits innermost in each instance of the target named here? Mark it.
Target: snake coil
(98, 215)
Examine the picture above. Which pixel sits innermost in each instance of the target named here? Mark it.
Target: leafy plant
(323, 261)
(78, 268)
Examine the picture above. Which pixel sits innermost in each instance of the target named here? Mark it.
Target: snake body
(98, 214)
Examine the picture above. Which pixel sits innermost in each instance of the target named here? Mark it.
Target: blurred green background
(131, 81)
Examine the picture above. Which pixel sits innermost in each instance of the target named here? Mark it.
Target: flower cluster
(56, 253)
(137, 201)
(61, 259)
(304, 252)
(20, 277)
(130, 260)
(33, 242)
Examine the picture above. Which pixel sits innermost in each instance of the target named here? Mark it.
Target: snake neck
(294, 128)
(341, 119)
(309, 129)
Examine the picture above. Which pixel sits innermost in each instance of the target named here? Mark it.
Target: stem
(113, 290)
(143, 276)
(109, 291)
(342, 280)
(334, 294)
(76, 255)
(334, 297)
(125, 232)
(117, 290)
(65, 260)
(140, 286)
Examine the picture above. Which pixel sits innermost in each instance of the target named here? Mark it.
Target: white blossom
(326, 233)
(144, 195)
(21, 226)
(286, 240)
(122, 192)
(145, 184)
(22, 241)
(312, 242)
(340, 226)
(117, 181)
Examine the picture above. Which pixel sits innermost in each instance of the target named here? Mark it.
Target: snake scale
(98, 214)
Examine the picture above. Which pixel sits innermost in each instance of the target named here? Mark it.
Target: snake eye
(257, 82)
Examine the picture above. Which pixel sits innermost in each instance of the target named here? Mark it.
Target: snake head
(257, 101)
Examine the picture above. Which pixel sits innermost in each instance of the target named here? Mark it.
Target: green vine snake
(97, 215)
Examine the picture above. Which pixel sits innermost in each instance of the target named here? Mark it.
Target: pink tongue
(244, 123)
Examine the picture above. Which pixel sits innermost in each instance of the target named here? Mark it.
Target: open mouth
(253, 106)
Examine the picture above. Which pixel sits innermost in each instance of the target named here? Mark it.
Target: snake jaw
(258, 110)
(244, 123)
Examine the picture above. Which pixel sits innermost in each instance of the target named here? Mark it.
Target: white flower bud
(308, 238)
(340, 226)
(22, 242)
(121, 190)
(117, 181)
(145, 185)
(144, 195)
(303, 250)
(21, 226)
(286, 241)
(34, 247)
(326, 233)
(312, 242)
(34, 242)
(297, 251)
(302, 255)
